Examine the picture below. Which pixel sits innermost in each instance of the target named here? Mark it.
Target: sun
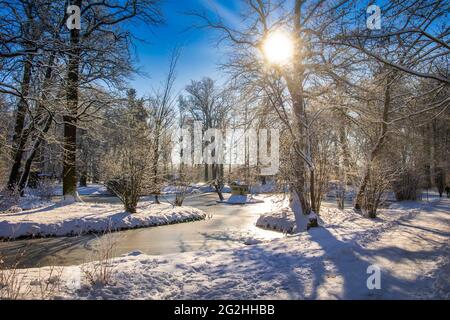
(278, 48)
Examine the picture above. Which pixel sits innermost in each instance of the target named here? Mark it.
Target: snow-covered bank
(282, 220)
(281, 217)
(409, 246)
(80, 218)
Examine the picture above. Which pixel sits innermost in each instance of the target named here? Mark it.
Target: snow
(241, 199)
(194, 189)
(279, 216)
(33, 200)
(91, 189)
(258, 188)
(60, 219)
(25, 203)
(282, 216)
(282, 220)
(410, 246)
(333, 188)
(269, 187)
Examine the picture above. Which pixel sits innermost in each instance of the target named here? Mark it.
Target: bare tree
(208, 104)
(161, 111)
(414, 37)
(28, 43)
(307, 22)
(127, 163)
(102, 21)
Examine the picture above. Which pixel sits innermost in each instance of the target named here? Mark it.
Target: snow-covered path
(415, 256)
(411, 252)
(410, 247)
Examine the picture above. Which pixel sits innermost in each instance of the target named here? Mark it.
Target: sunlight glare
(278, 48)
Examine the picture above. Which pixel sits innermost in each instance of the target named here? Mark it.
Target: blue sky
(200, 55)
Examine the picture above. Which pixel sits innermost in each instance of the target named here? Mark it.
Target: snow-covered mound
(282, 215)
(79, 218)
(282, 220)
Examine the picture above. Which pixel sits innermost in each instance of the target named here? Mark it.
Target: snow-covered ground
(33, 199)
(23, 203)
(269, 187)
(241, 199)
(257, 188)
(91, 189)
(59, 219)
(281, 217)
(408, 243)
(193, 189)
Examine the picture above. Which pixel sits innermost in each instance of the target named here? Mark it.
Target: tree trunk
(363, 185)
(312, 191)
(428, 155)
(302, 221)
(156, 188)
(214, 171)
(295, 88)
(344, 166)
(219, 191)
(20, 135)
(84, 159)
(206, 175)
(38, 137)
(83, 178)
(70, 118)
(27, 167)
(379, 144)
(263, 180)
(221, 170)
(17, 161)
(300, 168)
(218, 182)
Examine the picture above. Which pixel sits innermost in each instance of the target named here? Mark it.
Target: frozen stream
(226, 226)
